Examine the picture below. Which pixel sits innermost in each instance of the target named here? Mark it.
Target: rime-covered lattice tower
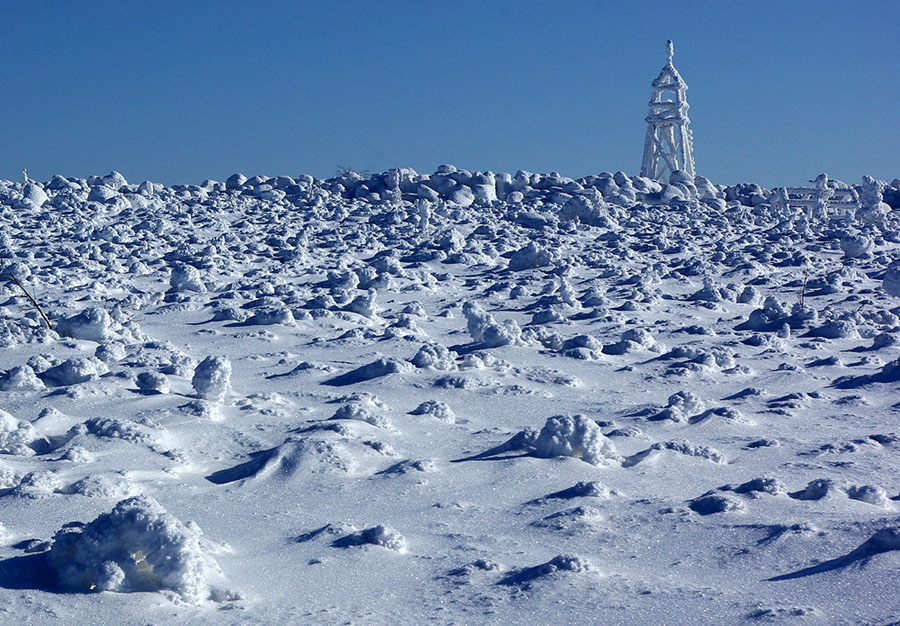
(668, 144)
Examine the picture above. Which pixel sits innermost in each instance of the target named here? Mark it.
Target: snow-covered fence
(821, 200)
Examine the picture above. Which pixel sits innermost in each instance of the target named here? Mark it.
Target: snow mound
(187, 278)
(20, 378)
(212, 378)
(575, 436)
(485, 330)
(101, 486)
(531, 256)
(436, 357)
(297, 455)
(152, 381)
(95, 323)
(138, 546)
(16, 435)
(376, 369)
(74, 371)
(382, 536)
(359, 413)
(711, 503)
(527, 576)
(436, 409)
(870, 494)
(816, 490)
(112, 428)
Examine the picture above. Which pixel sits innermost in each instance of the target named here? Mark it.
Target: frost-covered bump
(138, 546)
(575, 436)
(73, 371)
(688, 402)
(856, 246)
(435, 356)
(152, 381)
(364, 304)
(212, 378)
(871, 494)
(436, 409)
(485, 330)
(93, 323)
(359, 413)
(186, 278)
(15, 435)
(20, 378)
(529, 257)
(377, 536)
(711, 503)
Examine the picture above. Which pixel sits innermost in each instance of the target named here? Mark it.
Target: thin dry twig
(30, 298)
(802, 296)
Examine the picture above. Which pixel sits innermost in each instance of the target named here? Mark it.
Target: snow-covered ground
(455, 398)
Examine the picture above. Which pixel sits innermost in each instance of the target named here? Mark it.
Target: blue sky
(177, 92)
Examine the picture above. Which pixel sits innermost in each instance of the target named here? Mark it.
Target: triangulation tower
(668, 144)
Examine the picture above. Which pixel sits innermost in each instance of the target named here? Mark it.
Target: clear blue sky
(176, 92)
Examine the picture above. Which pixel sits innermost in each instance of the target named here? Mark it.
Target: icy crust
(138, 546)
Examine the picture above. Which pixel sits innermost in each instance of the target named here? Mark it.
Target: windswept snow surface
(462, 397)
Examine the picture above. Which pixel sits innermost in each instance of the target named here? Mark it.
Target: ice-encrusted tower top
(668, 146)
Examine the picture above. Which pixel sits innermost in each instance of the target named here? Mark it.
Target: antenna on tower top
(670, 50)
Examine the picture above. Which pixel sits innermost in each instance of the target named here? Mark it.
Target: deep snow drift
(462, 397)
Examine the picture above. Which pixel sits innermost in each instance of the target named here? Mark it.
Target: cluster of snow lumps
(680, 446)
(138, 546)
(486, 331)
(578, 437)
(827, 488)
(776, 316)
